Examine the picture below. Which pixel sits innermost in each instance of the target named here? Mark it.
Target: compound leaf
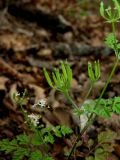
(20, 153)
(23, 139)
(36, 155)
(106, 136)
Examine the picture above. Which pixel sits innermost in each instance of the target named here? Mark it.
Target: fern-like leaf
(8, 146)
(36, 155)
(23, 139)
(20, 153)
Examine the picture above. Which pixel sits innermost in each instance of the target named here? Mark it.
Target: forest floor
(27, 45)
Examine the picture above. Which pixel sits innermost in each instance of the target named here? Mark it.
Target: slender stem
(93, 149)
(92, 117)
(77, 139)
(106, 85)
(74, 146)
(113, 30)
(24, 114)
(88, 93)
(70, 99)
(108, 81)
(115, 45)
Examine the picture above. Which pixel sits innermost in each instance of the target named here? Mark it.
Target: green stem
(76, 141)
(70, 100)
(106, 84)
(92, 117)
(88, 93)
(108, 81)
(24, 114)
(113, 29)
(115, 47)
(93, 149)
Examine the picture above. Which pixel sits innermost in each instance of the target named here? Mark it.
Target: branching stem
(70, 100)
(92, 116)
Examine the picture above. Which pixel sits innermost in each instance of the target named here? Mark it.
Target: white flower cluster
(41, 103)
(34, 119)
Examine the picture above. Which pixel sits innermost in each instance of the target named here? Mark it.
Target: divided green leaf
(8, 146)
(106, 136)
(23, 139)
(20, 153)
(36, 155)
(100, 154)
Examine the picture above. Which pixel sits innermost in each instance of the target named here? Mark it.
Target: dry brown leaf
(3, 81)
(117, 149)
(38, 91)
(15, 41)
(27, 78)
(44, 52)
(63, 116)
(13, 89)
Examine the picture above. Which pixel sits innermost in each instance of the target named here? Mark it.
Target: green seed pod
(58, 76)
(97, 70)
(102, 10)
(62, 77)
(55, 79)
(63, 66)
(69, 75)
(94, 74)
(90, 72)
(111, 14)
(117, 6)
(48, 78)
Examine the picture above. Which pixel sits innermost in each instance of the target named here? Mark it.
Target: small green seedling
(94, 73)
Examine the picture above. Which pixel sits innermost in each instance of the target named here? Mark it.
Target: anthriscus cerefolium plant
(35, 145)
(32, 146)
(100, 106)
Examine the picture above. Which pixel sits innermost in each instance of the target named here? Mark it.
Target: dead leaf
(3, 81)
(63, 116)
(38, 91)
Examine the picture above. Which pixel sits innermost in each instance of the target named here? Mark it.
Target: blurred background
(40, 33)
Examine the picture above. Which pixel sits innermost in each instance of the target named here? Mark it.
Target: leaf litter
(26, 48)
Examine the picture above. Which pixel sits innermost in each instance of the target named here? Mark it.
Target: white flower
(34, 119)
(41, 103)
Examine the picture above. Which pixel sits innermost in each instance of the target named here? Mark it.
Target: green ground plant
(35, 146)
(100, 106)
(104, 146)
